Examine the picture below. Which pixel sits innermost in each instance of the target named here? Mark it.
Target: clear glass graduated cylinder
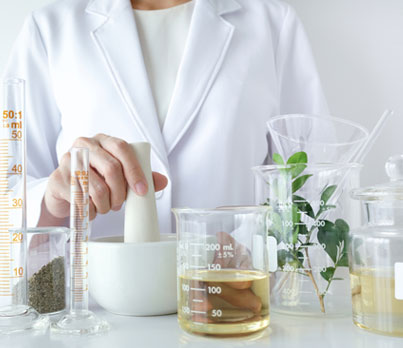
(376, 257)
(15, 314)
(12, 196)
(311, 213)
(223, 279)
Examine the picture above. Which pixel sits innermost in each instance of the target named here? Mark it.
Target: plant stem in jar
(315, 285)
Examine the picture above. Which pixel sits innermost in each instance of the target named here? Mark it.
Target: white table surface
(164, 332)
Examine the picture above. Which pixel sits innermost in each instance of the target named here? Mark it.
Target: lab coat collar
(111, 7)
(107, 7)
(209, 37)
(119, 45)
(118, 42)
(225, 6)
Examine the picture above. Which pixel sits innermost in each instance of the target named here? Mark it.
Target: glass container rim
(322, 166)
(225, 210)
(362, 129)
(13, 81)
(377, 195)
(377, 231)
(44, 230)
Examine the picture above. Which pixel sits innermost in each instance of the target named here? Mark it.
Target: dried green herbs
(46, 288)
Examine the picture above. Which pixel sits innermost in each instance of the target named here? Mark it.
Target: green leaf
(333, 236)
(299, 182)
(328, 236)
(343, 228)
(278, 159)
(296, 216)
(303, 205)
(276, 227)
(297, 169)
(301, 257)
(303, 229)
(328, 193)
(298, 158)
(324, 208)
(343, 262)
(284, 257)
(328, 274)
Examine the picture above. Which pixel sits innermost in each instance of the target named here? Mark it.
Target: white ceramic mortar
(133, 278)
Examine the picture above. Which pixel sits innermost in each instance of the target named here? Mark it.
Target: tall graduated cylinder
(223, 284)
(311, 214)
(79, 320)
(12, 189)
(15, 314)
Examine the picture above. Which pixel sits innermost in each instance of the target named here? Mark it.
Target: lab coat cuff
(35, 193)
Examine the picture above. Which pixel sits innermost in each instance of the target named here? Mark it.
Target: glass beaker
(47, 261)
(311, 215)
(376, 256)
(325, 139)
(223, 279)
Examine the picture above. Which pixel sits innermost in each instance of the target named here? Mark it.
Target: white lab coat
(245, 61)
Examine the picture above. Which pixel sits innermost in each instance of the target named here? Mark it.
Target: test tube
(15, 314)
(79, 320)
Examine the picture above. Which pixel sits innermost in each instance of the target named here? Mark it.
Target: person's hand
(113, 168)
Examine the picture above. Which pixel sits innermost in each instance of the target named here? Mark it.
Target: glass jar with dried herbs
(46, 265)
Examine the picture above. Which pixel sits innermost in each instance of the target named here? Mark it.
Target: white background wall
(358, 45)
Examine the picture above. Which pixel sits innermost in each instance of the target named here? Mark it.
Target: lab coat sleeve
(29, 61)
(299, 83)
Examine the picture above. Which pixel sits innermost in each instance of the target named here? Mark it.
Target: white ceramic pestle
(141, 219)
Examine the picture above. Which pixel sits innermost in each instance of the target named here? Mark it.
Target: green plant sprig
(297, 236)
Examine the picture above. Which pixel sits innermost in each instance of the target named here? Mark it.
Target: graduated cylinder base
(21, 318)
(80, 323)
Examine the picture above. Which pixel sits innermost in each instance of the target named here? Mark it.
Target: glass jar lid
(391, 191)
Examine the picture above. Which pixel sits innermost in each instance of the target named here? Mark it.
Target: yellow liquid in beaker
(225, 302)
(375, 306)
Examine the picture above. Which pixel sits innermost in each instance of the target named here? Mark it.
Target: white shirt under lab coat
(163, 36)
(245, 61)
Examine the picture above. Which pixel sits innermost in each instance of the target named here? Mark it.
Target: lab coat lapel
(119, 44)
(208, 40)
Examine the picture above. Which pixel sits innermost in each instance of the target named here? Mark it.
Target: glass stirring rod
(79, 320)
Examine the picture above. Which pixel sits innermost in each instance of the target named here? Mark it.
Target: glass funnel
(376, 257)
(223, 279)
(310, 215)
(324, 139)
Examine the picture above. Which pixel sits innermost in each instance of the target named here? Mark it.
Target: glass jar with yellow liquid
(376, 256)
(223, 276)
